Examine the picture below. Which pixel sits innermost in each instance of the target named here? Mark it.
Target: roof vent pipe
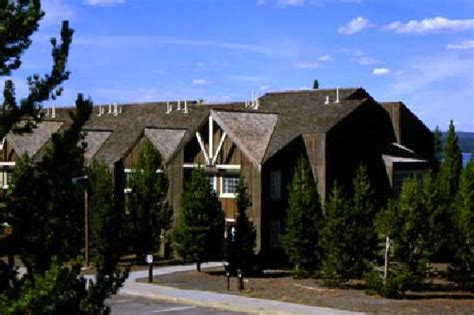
(337, 94)
(100, 111)
(53, 112)
(47, 112)
(327, 100)
(179, 104)
(115, 109)
(110, 108)
(120, 110)
(169, 108)
(185, 106)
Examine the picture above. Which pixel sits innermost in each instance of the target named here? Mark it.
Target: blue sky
(420, 52)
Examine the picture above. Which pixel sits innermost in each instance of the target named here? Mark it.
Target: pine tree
(364, 240)
(464, 222)
(45, 208)
(199, 234)
(304, 219)
(451, 165)
(106, 219)
(240, 245)
(150, 214)
(437, 143)
(335, 238)
(411, 242)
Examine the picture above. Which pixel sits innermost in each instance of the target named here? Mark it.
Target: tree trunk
(198, 266)
(385, 267)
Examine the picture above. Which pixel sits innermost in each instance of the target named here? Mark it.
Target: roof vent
(327, 100)
(115, 109)
(47, 112)
(185, 106)
(169, 107)
(337, 95)
(110, 109)
(179, 104)
(53, 112)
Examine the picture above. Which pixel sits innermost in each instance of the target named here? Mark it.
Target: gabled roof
(250, 131)
(165, 140)
(94, 140)
(32, 142)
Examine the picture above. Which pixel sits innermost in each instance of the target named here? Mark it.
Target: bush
(399, 280)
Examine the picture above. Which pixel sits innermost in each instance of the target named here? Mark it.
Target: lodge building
(337, 129)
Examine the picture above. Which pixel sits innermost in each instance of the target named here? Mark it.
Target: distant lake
(465, 158)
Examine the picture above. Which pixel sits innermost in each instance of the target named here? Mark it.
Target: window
(213, 182)
(229, 186)
(126, 180)
(275, 234)
(6, 170)
(275, 185)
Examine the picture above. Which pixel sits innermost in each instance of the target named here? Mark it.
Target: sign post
(149, 260)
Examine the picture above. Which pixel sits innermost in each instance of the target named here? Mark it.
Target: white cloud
(430, 25)
(200, 82)
(291, 3)
(354, 26)
(325, 58)
(366, 60)
(464, 45)
(308, 65)
(380, 71)
(103, 3)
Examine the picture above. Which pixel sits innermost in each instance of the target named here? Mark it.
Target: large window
(229, 186)
(275, 185)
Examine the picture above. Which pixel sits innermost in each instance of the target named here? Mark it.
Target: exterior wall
(274, 211)
(315, 145)
(359, 138)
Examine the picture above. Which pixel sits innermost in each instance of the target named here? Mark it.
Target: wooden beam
(203, 149)
(219, 148)
(211, 137)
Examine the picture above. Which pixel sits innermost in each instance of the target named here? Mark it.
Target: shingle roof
(95, 140)
(280, 118)
(250, 131)
(32, 142)
(165, 140)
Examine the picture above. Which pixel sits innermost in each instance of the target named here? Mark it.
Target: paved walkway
(217, 300)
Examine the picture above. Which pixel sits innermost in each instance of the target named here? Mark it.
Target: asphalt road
(127, 304)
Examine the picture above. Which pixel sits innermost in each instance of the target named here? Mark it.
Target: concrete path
(216, 300)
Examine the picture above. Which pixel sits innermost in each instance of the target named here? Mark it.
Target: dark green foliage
(451, 165)
(463, 265)
(18, 21)
(200, 231)
(149, 213)
(438, 147)
(240, 245)
(106, 219)
(363, 211)
(304, 219)
(45, 208)
(61, 290)
(335, 238)
(315, 85)
(398, 281)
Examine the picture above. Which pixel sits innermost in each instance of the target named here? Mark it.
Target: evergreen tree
(304, 219)
(44, 207)
(240, 245)
(464, 222)
(451, 165)
(335, 238)
(150, 214)
(364, 239)
(106, 219)
(411, 241)
(199, 234)
(438, 146)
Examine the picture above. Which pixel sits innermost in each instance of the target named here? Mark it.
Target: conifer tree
(437, 143)
(303, 221)
(240, 245)
(150, 214)
(451, 165)
(105, 217)
(464, 222)
(335, 238)
(363, 208)
(200, 231)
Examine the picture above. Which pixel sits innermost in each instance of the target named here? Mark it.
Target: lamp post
(83, 179)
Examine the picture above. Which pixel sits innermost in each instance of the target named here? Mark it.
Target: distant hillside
(466, 141)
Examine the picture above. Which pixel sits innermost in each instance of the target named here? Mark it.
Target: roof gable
(250, 131)
(165, 140)
(94, 140)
